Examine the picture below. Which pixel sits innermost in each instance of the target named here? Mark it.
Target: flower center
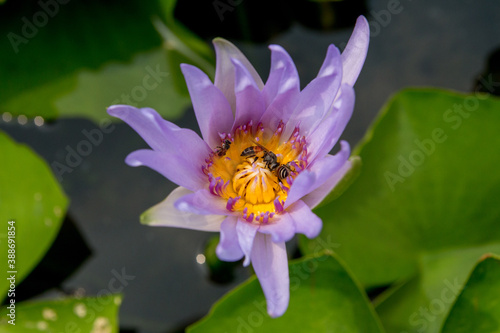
(254, 171)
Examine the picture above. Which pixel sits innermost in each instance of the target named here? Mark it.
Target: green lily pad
(422, 303)
(345, 182)
(77, 58)
(89, 314)
(429, 183)
(478, 307)
(34, 204)
(111, 84)
(323, 298)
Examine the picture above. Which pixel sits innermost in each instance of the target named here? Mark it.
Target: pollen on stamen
(251, 184)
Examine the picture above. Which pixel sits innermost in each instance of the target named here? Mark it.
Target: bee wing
(261, 146)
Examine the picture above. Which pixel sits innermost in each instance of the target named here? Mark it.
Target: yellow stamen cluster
(247, 182)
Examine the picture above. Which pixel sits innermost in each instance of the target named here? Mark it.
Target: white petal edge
(165, 214)
(224, 70)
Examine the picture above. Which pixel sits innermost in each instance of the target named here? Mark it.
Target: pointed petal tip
(276, 47)
(132, 161)
(224, 50)
(145, 218)
(332, 65)
(189, 68)
(277, 307)
(362, 20)
(221, 41)
(333, 48)
(118, 109)
(270, 263)
(354, 54)
(345, 148)
(148, 217)
(223, 254)
(247, 261)
(185, 67)
(277, 310)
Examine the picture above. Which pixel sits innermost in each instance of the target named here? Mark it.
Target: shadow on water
(259, 21)
(489, 80)
(66, 254)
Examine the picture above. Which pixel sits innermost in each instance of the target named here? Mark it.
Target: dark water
(428, 43)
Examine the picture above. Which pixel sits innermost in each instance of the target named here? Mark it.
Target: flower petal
(282, 228)
(147, 123)
(283, 74)
(305, 221)
(315, 197)
(202, 202)
(317, 97)
(165, 214)
(211, 107)
(224, 69)
(313, 177)
(249, 99)
(328, 132)
(160, 134)
(282, 88)
(354, 54)
(228, 248)
(270, 262)
(246, 235)
(179, 169)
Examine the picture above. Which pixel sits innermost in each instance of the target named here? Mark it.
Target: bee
(223, 148)
(267, 156)
(283, 171)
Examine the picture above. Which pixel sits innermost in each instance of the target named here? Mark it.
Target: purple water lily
(263, 162)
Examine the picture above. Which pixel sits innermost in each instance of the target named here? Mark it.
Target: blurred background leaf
(89, 314)
(324, 298)
(422, 303)
(31, 197)
(77, 58)
(425, 206)
(478, 308)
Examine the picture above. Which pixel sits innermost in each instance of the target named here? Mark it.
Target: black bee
(223, 148)
(267, 156)
(283, 171)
